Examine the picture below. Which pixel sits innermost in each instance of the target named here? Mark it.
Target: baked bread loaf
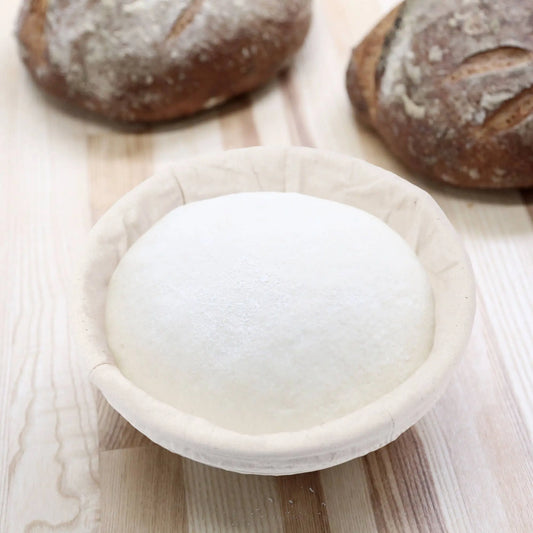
(448, 84)
(141, 60)
(266, 312)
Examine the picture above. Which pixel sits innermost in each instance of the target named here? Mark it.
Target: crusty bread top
(452, 90)
(361, 75)
(106, 48)
(491, 62)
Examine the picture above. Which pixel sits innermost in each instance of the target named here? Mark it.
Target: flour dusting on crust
(119, 56)
(100, 46)
(452, 73)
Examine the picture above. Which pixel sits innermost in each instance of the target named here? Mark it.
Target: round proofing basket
(405, 208)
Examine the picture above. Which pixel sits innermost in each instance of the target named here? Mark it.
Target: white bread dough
(267, 312)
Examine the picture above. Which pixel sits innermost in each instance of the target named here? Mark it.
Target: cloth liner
(407, 209)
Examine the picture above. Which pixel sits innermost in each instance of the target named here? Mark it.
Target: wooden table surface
(69, 463)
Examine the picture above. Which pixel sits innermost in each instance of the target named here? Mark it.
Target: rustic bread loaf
(161, 59)
(448, 84)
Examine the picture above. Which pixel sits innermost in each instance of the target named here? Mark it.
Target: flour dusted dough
(267, 312)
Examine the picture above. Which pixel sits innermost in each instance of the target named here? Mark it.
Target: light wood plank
(186, 138)
(142, 490)
(223, 501)
(347, 493)
(237, 126)
(48, 460)
(303, 503)
(402, 488)
(117, 163)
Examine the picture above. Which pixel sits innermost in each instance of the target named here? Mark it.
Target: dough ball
(268, 312)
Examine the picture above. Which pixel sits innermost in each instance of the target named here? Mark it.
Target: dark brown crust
(466, 117)
(361, 76)
(183, 88)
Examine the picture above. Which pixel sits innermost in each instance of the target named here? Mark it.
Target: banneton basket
(404, 207)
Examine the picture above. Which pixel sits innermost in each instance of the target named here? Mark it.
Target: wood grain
(135, 494)
(303, 505)
(224, 501)
(237, 125)
(117, 163)
(402, 489)
(48, 434)
(68, 462)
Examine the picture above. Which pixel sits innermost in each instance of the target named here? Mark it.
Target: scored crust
(449, 87)
(150, 61)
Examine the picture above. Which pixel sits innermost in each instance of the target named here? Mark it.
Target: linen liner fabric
(267, 312)
(405, 208)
